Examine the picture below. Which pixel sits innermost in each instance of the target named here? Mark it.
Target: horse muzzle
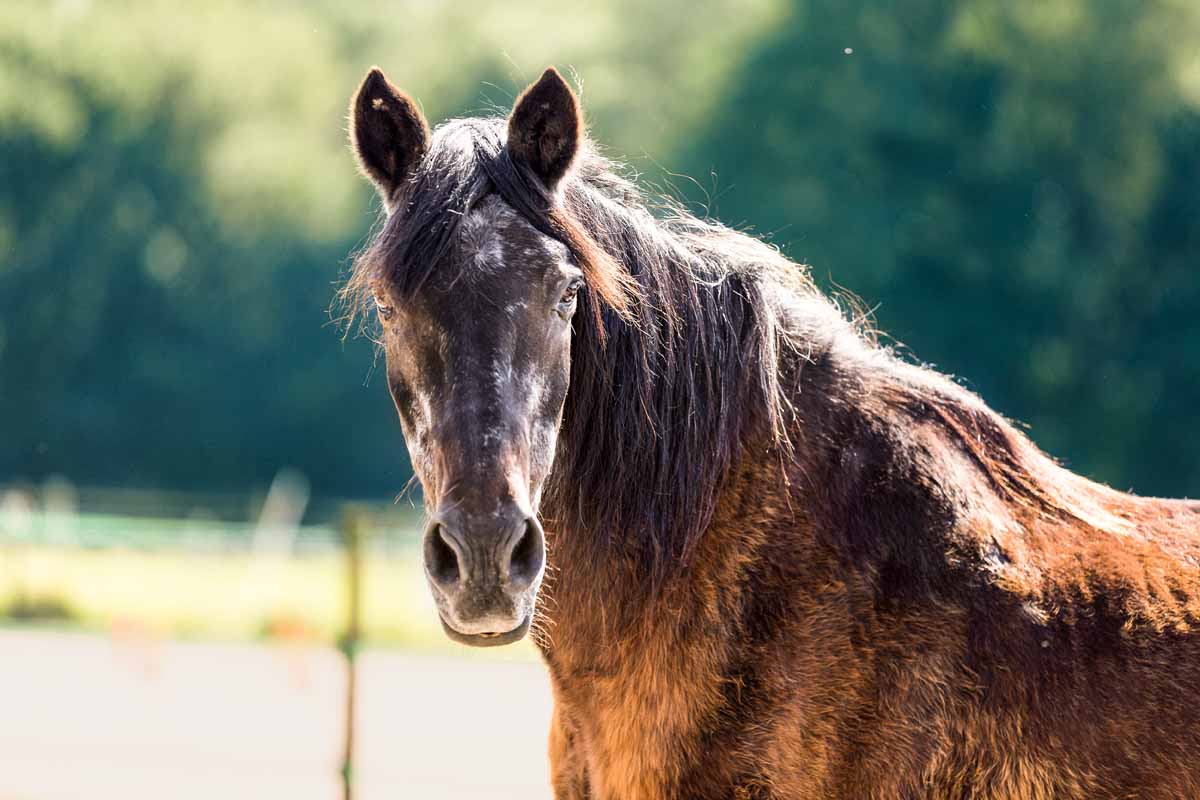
(484, 570)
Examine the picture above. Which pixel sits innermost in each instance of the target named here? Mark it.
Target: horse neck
(601, 615)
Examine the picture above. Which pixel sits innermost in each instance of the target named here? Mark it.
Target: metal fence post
(353, 530)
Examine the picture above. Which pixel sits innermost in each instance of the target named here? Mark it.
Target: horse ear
(388, 132)
(545, 129)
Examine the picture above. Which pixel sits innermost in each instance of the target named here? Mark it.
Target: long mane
(661, 410)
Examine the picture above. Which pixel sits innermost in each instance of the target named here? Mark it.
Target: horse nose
(526, 555)
(445, 555)
(454, 556)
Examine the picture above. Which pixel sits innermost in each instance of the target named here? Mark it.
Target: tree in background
(1015, 184)
(168, 239)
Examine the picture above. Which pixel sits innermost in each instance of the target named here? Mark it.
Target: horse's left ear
(545, 129)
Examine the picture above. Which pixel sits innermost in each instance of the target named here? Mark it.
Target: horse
(762, 554)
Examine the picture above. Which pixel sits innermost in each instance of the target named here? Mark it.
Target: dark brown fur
(784, 563)
(934, 610)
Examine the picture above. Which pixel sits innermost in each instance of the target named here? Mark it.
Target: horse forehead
(499, 243)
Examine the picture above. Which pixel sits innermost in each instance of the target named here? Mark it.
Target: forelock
(466, 186)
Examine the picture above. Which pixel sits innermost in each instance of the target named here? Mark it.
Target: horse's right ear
(388, 132)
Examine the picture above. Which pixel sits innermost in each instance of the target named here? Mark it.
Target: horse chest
(634, 727)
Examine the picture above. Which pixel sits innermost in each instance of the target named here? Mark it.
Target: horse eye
(381, 305)
(570, 293)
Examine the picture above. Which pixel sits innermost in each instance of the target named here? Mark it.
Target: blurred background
(1012, 186)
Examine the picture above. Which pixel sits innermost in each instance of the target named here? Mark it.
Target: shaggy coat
(785, 563)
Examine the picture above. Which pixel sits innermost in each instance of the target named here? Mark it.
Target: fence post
(353, 530)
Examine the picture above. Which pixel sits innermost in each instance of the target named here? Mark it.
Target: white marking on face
(482, 233)
(482, 237)
(534, 392)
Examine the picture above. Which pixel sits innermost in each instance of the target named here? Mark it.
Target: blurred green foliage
(1013, 182)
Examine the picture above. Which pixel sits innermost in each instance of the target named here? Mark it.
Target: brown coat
(920, 605)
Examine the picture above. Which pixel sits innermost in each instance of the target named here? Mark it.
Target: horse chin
(487, 639)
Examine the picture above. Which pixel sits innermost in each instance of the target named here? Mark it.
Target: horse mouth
(487, 639)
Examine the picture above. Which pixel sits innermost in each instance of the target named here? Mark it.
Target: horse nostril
(441, 559)
(527, 555)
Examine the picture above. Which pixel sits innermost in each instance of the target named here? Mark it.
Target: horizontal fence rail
(281, 521)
